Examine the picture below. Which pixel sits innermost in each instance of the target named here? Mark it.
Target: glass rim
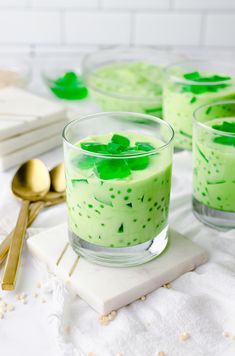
(209, 128)
(192, 82)
(119, 113)
(119, 49)
(47, 72)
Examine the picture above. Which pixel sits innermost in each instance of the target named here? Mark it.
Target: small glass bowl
(14, 71)
(127, 79)
(65, 82)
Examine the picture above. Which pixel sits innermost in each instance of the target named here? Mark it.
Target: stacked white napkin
(29, 126)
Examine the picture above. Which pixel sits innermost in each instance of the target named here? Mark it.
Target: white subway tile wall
(16, 3)
(136, 4)
(219, 30)
(28, 27)
(205, 4)
(101, 28)
(167, 29)
(38, 26)
(58, 4)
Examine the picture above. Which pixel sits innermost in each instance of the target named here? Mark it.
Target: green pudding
(118, 202)
(214, 166)
(134, 86)
(184, 93)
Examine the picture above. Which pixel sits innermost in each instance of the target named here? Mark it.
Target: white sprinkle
(184, 336)
(44, 301)
(23, 296)
(225, 334)
(113, 313)
(167, 286)
(35, 295)
(103, 319)
(10, 307)
(67, 329)
(143, 298)
(3, 307)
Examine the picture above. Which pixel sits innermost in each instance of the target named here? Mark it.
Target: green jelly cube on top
(144, 146)
(112, 169)
(123, 141)
(94, 147)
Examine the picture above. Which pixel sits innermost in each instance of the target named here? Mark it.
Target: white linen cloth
(201, 302)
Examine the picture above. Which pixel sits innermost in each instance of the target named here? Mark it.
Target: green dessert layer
(118, 202)
(180, 100)
(214, 166)
(135, 86)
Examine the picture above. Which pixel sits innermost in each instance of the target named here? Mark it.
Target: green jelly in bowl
(65, 83)
(126, 79)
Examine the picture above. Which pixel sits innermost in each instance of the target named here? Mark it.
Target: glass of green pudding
(118, 176)
(214, 164)
(126, 79)
(189, 85)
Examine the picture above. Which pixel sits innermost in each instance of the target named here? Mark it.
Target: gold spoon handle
(59, 200)
(13, 258)
(34, 210)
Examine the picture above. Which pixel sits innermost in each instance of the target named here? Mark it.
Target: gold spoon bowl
(56, 195)
(32, 181)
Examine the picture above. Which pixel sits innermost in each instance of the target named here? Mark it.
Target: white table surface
(25, 331)
(199, 302)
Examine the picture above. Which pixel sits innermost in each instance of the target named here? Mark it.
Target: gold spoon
(56, 195)
(30, 183)
(58, 178)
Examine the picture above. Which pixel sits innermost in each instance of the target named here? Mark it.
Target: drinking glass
(189, 85)
(118, 176)
(214, 164)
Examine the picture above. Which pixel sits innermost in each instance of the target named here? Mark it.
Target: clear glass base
(178, 150)
(120, 257)
(217, 219)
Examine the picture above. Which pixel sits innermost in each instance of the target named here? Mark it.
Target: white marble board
(21, 111)
(29, 152)
(106, 289)
(32, 137)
